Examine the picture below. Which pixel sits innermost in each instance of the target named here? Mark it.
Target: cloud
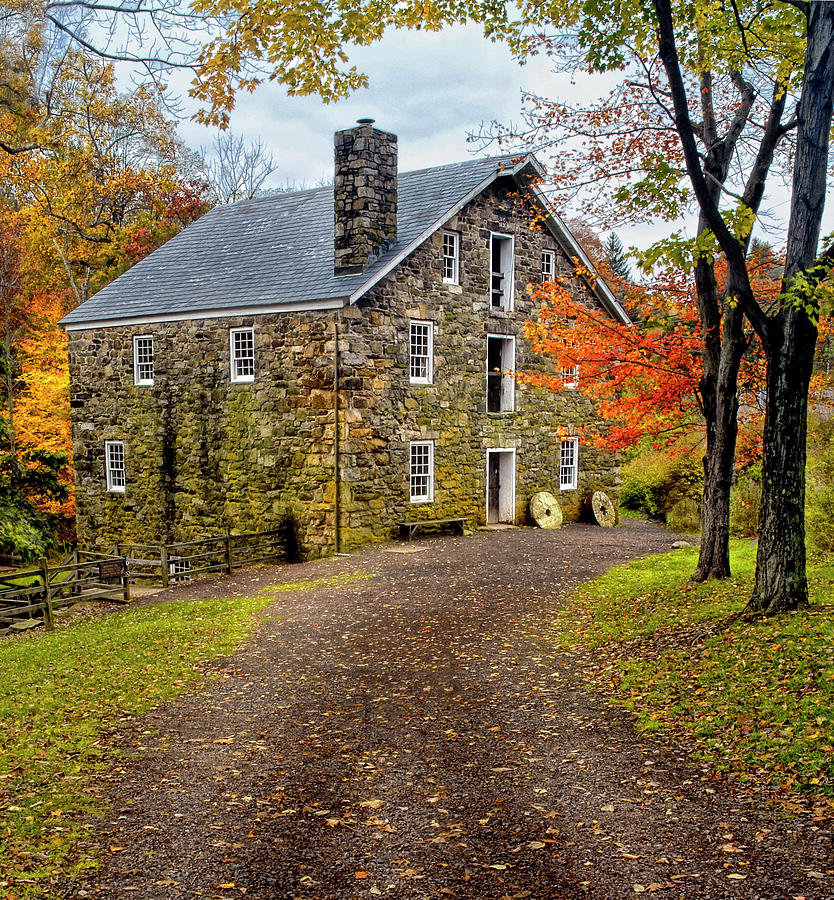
(431, 89)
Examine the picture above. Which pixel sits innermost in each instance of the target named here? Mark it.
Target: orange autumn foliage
(645, 378)
(102, 186)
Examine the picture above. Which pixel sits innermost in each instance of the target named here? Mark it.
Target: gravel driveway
(419, 734)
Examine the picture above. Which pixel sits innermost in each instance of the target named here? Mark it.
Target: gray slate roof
(275, 251)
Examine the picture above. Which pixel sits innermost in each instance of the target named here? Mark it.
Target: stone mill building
(339, 356)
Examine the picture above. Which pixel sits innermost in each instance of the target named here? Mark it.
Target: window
(501, 272)
(143, 359)
(421, 471)
(421, 344)
(114, 465)
(451, 257)
(243, 353)
(500, 384)
(569, 464)
(548, 265)
(570, 377)
(179, 569)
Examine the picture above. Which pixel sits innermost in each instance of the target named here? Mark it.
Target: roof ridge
(279, 195)
(466, 162)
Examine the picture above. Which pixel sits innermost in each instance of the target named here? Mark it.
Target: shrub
(746, 501)
(657, 482)
(819, 496)
(685, 516)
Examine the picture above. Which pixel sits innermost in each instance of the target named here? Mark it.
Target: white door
(500, 492)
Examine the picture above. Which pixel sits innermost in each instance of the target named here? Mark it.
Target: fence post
(125, 582)
(48, 615)
(76, 575)
(163, 559)
(228, 546)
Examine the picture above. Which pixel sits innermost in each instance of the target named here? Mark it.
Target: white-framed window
(548, 265)
(143, 359)
(114, 466)
(179, 569)
(451, 257)
(570, 377)
(569, 464)
(501, 272)
(421, 352)
(421, 471)
(242, 348)
(500, 361)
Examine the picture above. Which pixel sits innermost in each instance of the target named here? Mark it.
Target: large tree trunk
(721, 414)
(781, 584)
(791, 340)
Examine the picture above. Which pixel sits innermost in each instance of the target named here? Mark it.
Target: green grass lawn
(756, 697)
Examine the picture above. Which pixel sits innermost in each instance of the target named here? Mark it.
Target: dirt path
(410, 735)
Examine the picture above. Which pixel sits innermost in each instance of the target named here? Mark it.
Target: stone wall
(203, 453)
(451, 410)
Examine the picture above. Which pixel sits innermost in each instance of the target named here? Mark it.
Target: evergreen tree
(615, 256)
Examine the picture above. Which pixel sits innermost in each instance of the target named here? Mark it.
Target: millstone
(545, 510)
(600, 509)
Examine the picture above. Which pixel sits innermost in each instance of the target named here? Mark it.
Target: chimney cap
(365, 121)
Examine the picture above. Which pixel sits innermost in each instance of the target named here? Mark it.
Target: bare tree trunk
(781, 582)
(719, 460)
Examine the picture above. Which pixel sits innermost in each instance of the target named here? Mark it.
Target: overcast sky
(432, 91)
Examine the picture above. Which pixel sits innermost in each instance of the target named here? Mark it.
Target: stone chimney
(364, 195)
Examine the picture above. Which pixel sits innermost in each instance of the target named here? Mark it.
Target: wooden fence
(167, 564)
(33, 595)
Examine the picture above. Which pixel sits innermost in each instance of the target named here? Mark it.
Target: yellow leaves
(731, 848)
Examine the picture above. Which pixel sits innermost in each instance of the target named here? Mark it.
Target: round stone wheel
(600, 509)
(545, 510)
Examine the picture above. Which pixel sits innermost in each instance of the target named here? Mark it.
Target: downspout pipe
(337, 467)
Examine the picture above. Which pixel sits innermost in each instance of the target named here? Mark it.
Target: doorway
(500, 487)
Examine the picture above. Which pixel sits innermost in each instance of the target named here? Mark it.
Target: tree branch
(737, 271)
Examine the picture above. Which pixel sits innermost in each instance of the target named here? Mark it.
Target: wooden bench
(410, 527)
